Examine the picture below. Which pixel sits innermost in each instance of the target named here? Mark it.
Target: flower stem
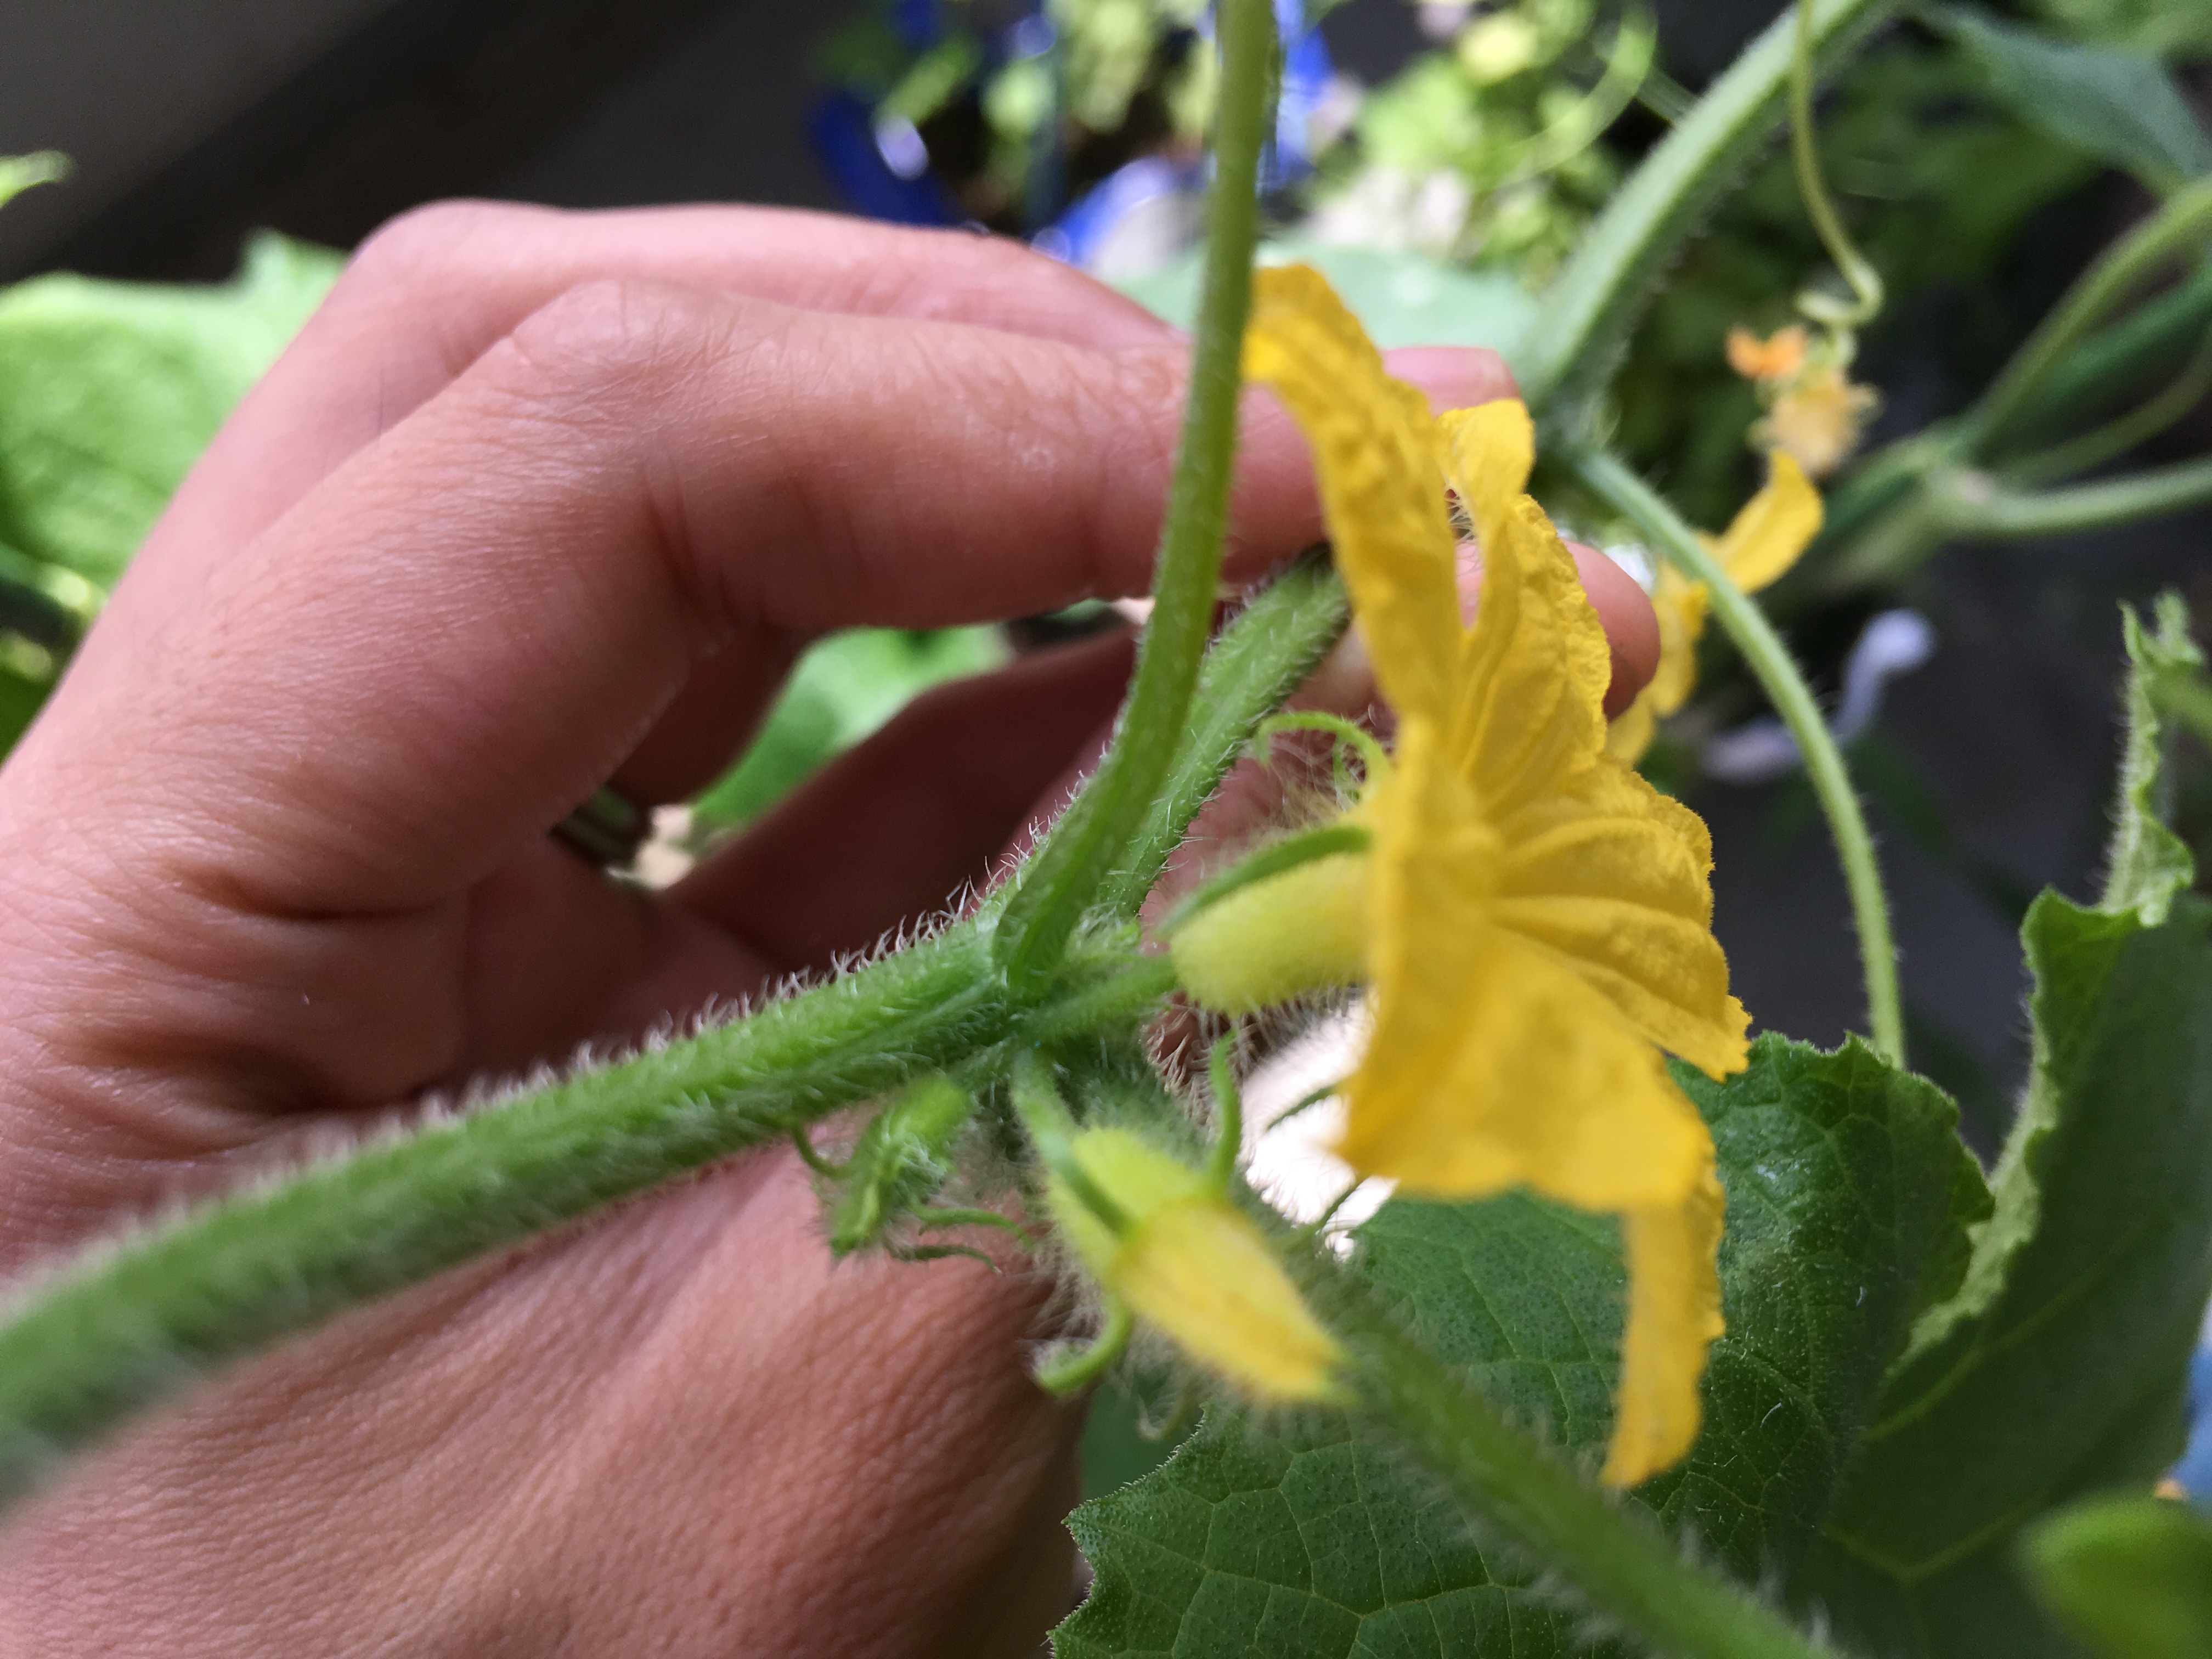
(1770, 660)
(1975, 507)
(1616, 1560)
(1061, 883)
(2123, 433)
(2181, 225)
(1591, 308)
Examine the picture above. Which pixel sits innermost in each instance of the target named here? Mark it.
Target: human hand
(539, 500)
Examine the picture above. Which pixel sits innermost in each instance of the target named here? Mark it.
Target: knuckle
(615, 346)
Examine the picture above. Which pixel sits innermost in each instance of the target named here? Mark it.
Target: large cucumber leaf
(2123, 107)
(1849, 1196)
(2060, 1367)
(109, 390)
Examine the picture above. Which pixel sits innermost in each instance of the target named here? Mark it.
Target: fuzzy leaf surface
(1848, 1199)
(2060, 1367)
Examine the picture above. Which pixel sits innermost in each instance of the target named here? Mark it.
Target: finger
(898, 828)
(432, 291)
(495, 602)
(538, 1455)
(697, 739)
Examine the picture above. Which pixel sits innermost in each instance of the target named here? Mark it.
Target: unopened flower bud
(1189, 1261)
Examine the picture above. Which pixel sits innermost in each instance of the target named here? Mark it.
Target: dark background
(192, 124)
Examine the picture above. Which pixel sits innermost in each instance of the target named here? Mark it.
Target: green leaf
(1849, 1195)
(109, 390)
(2122, 107)
(2061, 1365)
(844, 689)
(1400, 298)
(2149, 864)
(2131, 1576)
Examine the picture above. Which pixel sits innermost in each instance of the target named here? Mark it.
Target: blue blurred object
(1080, 236)
(1097, 231)
(876, 168)
(2194, 1471)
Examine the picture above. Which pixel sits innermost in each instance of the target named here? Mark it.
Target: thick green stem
(1263, 655)
(1063, 881)
(1616, 1559)
(129, 1324)
(1590, 310)
(1770, 661)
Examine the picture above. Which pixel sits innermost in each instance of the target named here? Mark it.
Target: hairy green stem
(1591, 308)
(1263, 655)
(1063, 881)
(135, 1320)
(1616, 1560)
(1770, 661)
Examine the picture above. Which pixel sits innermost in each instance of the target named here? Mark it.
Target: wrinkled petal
(1489, 451)
(1612, 879)
(1200, 1272)
(1529, 707)
(1491, 1064)
(1379, 465)
(1629, 737)
(1775, 526)
(1673, 1317)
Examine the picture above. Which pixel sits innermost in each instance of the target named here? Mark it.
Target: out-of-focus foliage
(109, 390)
(1936, 184)
(1486, 151)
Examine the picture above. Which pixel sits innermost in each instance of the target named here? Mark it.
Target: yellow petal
(1612, 880)
(1674, 1318)
(1200, 1271)
(1489, 451)
(1490, 1064)
(1528, 709)
(1776, 526)
(1378, 462)
(1679, 605)
(1298, 933)
(1633, 729)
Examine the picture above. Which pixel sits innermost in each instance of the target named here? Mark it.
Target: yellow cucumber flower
(1190, 1262)
(1765, 538)
(1533, 920)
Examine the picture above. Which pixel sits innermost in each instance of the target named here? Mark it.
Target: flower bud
(1190, 1262)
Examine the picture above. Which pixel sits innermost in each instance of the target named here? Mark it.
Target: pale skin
(540, 501)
